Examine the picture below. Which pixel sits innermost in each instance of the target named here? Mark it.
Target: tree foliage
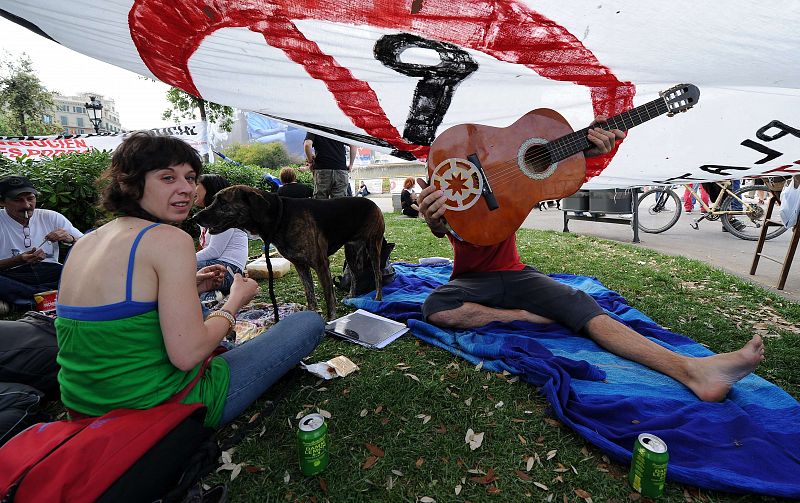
(24, 100)
(185, 106)
(266, 155)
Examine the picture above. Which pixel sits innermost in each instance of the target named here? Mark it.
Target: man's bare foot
(711, 377)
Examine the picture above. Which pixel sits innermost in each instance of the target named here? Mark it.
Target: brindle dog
(305, 231)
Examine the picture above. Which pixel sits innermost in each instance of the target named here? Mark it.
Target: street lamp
(96, 116)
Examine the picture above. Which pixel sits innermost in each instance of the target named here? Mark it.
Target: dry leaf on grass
(286, 477)
(412, 376)
(363, 413)
(324, 413)
(479, 365)
(378, 409)
(468, 401)
(522, 475)
(427, 499)
(375, 450)
(529, 463)
(323, 485)
(457, 489)
(540, 486)
(493, 490)
(522, 439)
(551, 454)
(419, 462)
(473, 439)
(369, 462)
(486, 479)
(398, 473)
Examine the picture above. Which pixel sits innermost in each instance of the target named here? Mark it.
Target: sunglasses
(26, 233)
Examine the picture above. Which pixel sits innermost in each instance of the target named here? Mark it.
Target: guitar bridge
(488, 195)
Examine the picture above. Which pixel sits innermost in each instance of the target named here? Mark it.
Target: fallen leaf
(540, 486)
(286, 477)
(517, 420)
(479, 365)
(385, 421)
(253, 418)
(493, 490)
(522, 440)
(419, 462)
(427, 499)
(369, 463)
(529, 464)
(583, 494)
(551, 454)
(475, 471)
(634, 496)
(468, 401)
(253, 469)
(486, 479)
(426, 419)
(323, 485)
(363, 413)
(398, 473)
(412, 376)
(458, 489)
(441, 429)
(226, 456)
(375, 450)
(324, 413)
(473, 439)
(574, 469)
(236, 471)
(552, 422)
(378, 409)
(499, 404)
(522, 475)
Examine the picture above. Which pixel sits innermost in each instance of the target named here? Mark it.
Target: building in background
(70, 113)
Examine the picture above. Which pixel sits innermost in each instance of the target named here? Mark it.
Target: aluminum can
(312, 444)
(649, 465)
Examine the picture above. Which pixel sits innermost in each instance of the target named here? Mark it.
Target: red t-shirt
(474, 258)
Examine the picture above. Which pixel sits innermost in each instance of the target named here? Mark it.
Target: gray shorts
(527, 289)
(330, 183)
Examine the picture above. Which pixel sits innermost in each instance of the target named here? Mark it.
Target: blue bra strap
(129, 279)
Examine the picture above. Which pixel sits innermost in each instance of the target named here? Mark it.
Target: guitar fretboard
(573, 143)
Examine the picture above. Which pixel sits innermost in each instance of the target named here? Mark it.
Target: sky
(139, 102)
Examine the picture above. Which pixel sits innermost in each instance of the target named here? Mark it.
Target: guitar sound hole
(537, 159)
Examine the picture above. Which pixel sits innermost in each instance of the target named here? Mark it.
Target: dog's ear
(262, 205)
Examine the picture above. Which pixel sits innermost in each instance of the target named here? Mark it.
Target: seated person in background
(291, 187)
(136, 338)
(362, 190)
(408, 200)
(228, 248)
(29, 239)
(490, 283)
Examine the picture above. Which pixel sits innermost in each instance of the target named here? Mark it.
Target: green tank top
(123, 363)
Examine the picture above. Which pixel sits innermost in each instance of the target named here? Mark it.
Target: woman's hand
(242, 291)
(210, 277)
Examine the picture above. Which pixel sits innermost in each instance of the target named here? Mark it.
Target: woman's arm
(216, 244)
(188, 339)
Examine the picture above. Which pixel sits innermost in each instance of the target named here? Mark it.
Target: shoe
(5, 308)
(689, 211)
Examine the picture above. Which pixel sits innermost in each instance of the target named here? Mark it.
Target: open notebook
(367, 329)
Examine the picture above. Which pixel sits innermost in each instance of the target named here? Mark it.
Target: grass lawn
(397, 426)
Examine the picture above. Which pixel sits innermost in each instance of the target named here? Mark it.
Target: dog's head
(241, 207)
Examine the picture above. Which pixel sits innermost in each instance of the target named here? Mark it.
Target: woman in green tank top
(138, 337)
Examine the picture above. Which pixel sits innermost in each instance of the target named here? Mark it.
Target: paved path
(708, 244)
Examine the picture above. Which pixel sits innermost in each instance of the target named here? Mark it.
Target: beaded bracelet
(224, 314)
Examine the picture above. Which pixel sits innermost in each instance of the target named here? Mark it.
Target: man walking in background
(327, 160)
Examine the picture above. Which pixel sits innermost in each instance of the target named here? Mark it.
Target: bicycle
(660, 208)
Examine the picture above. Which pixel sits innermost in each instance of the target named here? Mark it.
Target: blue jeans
(259, 362)
(18, 285)
(227, 281)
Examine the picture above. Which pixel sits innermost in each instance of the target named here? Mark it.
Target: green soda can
(649, 465)
(312, 444)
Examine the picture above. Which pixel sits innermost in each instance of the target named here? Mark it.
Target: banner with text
(391, 76)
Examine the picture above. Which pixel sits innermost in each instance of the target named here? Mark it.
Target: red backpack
(124, 455)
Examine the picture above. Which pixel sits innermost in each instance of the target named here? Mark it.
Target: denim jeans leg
(258, 363)
(19, 293)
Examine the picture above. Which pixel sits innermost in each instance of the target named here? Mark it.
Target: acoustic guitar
(492, 177)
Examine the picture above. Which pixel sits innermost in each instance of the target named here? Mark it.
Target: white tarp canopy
(391, 75)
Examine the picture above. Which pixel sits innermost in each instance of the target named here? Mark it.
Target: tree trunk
(22, 126)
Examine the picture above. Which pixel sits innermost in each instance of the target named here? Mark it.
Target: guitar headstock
(680, 98)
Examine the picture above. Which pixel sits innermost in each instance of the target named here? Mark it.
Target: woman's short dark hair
(288, 175)
(213, 183)
(139, 153)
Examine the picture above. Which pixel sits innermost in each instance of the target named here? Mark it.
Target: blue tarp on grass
(748, 443)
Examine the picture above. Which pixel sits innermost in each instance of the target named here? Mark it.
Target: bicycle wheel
(746, 224)
(659, 209)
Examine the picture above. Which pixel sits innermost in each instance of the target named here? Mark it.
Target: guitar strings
(565, 146)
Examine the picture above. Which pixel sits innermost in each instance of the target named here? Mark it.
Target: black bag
(365, 281)
(19, 408)
(28, 351)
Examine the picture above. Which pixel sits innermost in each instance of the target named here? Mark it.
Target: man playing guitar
(490, 283)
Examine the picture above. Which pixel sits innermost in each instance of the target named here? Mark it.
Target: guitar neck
(573, 143)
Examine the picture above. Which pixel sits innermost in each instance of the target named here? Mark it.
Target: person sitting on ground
(136, 338)
(490, 283)
(291, 187)
(228, 248)
(363, 191)
(29, 244)
(408, 200)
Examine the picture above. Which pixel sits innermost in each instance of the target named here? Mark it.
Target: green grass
(384, 406)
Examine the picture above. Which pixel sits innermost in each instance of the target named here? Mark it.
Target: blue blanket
(748, 443)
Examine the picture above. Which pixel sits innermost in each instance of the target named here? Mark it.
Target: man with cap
(29, 239)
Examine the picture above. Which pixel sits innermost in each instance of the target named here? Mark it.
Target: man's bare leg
(471, 315)
(710, 378)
